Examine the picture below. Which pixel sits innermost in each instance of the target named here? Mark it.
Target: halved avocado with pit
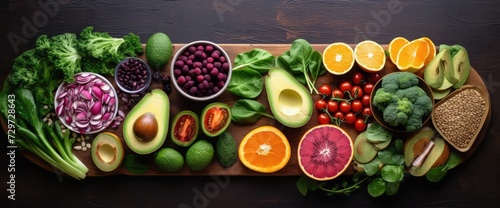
(185, 127)
(215, 118)
(154, 106)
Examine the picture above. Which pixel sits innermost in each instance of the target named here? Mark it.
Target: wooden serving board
(179, 103)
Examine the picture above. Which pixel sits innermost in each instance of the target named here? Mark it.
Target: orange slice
(395, 46)
(412, 56)
(338, 58)
(432, 50)
(370, 56)
(265, 149)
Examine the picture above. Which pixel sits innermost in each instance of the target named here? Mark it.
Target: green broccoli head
(402, 101)
(65, 56)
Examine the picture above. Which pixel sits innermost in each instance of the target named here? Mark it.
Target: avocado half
(157, 103)
(289, 100)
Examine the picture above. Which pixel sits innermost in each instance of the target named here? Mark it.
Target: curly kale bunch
(402, 101)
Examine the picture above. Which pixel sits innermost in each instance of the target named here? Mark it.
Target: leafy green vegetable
(305, 183)
(376, 133)
(247, 111)
(390, 156)
(392, 188)
(436, 174)
(135, 164)
(371, 168)
(392, 173)
(102, 52)
(246, 83)
(304, 63)
(41, 139)
(257, 59)
(63, 53)
(377, 187)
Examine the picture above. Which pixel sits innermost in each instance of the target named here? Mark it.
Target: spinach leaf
(376, 133)
(376, 187)
(26, 108)
(246, 83)
(246, 111)
(392, 173)
(372, 167)
(257, 59)
(392, 188)
(436, 174)
(302, 62)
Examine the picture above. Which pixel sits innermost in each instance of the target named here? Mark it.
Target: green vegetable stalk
(41, 139)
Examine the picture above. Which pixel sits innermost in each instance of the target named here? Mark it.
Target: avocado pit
(146, 127)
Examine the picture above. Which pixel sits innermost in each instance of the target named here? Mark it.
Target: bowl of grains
(459, 116)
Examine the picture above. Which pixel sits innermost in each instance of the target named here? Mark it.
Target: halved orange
(432, 50)
(412, 56)
(370, 56)
(264, 149)
(395, 46)
(338, 58)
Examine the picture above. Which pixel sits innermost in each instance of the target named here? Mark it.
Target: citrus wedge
(412, 56)
(338, 58)
(264, 149)
(395, 46)
(432, 50)
(370, 56)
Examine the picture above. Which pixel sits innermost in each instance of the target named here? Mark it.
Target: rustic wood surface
(471, 24)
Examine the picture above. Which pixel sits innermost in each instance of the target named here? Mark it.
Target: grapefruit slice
(325, 151)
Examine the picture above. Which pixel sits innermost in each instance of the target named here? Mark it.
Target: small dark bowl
(134, 91)
(378, 115)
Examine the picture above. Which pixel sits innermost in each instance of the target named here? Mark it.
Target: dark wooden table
(473, 24)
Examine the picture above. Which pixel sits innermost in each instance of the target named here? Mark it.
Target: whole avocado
(158, 50)
(226, 149)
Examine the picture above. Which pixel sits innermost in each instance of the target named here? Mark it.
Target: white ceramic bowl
(68, 110)
(183, 91)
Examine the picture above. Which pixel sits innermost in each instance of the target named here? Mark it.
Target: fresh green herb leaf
(392, 188)
(302, 185)
(376, 133)
(372, 167)
(436, 174)
(257, 59)
(135, 164)
(454, 160)
(303, 63)
(248, 111)
(246, 83)
(399, 144)
(376, 187)
(392, 173)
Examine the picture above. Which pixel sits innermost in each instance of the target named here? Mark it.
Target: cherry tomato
(338, 94)
(356, 106)
(366, 112)
(350, 118)
(325, 89)
(345, 86)
(368, 88)
(360, 124)
(375, 77)
(320, 104)
(339, 115)
(365, 100)
(323, 118)
(345, 107)
(356, 92)
(358, 78)
(332, 106)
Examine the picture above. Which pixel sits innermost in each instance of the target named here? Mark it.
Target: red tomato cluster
(349, 104)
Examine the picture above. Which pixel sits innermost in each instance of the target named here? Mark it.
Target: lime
(169, 160)
(158, 50)
(199, 155)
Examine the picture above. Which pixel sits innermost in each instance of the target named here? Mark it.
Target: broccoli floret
(64, 54)
(382, 99)
(411, 93)
(102, 46)
(405, 105)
